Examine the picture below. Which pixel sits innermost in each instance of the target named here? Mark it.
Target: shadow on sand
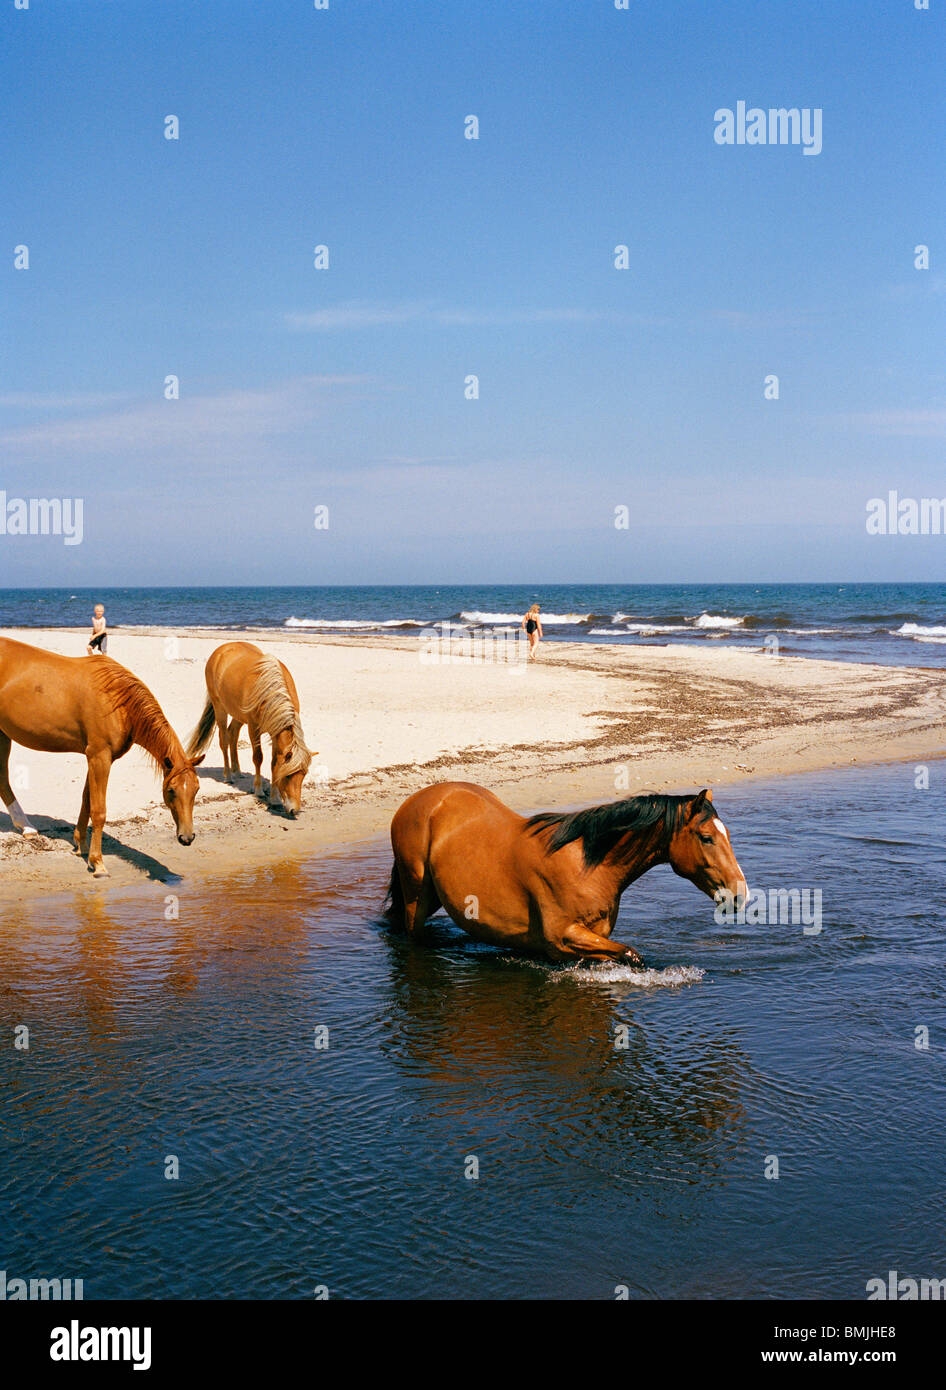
(52, 829)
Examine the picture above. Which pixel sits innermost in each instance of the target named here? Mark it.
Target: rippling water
(598, 1165)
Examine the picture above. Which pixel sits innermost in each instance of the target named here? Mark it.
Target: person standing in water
(98, 642)
(532, 625)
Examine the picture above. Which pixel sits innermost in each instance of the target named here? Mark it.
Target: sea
(270, 1095)
(902, 624)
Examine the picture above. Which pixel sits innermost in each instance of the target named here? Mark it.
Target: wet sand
(584, 724)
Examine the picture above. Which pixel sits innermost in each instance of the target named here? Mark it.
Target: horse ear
(196, 762)
(699, 801)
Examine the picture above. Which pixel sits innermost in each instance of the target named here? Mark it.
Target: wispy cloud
(356, 314)
(195, 426)
(61, 400)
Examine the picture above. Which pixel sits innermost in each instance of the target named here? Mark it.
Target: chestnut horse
(90, 705)
(257, 691)
(550, 884)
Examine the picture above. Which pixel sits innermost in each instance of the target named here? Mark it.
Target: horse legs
(233, 738)
(274, 798)
(82, 824)
(224, 744)
(14, 809)
(587, 945)
(421, 899)
(257, 746)
(99, 766)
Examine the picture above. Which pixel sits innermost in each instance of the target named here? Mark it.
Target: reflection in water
(620, 1122)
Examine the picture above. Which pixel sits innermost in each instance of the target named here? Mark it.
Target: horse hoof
(30, 830)
(100, 871)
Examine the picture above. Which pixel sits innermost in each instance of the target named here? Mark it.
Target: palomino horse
(549, 885)
(257, 691)
(90, 705)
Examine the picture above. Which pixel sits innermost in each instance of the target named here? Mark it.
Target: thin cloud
(355, 315)
(61, 400)
(194, 424)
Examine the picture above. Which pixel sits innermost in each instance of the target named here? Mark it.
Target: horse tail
(393, 910)
(201, 736)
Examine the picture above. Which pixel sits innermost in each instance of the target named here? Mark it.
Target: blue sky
(451, 257)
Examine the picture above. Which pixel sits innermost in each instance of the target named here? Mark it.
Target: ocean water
(599, 1165)
(904, 624)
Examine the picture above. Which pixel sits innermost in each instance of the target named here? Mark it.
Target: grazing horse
(550, 884)
(90, 705)
(257, 691)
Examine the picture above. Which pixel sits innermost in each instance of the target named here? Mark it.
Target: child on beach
(98, 642)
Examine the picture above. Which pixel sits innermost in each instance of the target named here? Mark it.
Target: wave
(714, 620)
(918, 631)
(547, 619)
(640, 629)
(349, 623)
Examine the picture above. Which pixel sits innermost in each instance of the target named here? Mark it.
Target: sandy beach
(584, 724)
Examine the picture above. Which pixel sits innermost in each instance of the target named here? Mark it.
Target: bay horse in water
(550, 884)
(257, 691)
(90, 705)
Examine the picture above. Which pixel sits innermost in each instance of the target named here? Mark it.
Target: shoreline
(586, 724)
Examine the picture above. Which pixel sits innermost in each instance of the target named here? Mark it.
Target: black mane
(599, 828)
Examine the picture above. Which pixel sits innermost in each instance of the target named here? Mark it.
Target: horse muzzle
(187, 839)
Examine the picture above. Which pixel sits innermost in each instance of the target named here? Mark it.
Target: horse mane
(271, 698)
(599, 828)
(149, 726)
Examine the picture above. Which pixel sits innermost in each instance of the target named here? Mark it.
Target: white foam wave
(640, 630)
(918, 631)
(548, 619)
(658, 627)
(715, 620)
(351, 623)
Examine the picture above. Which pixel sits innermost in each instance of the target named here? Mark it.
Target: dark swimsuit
(531, 626)
(100, 641)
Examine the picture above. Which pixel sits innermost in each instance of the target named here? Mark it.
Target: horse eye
(170, 793)
(707, 839)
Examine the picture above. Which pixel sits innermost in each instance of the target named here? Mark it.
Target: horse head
(180, 790)
(700, 851)
(291, 761)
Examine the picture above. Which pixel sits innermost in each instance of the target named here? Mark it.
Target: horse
(90, 705)
(257, 691)
(549, 884)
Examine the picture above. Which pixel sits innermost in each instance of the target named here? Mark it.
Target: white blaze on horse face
(742, 878)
